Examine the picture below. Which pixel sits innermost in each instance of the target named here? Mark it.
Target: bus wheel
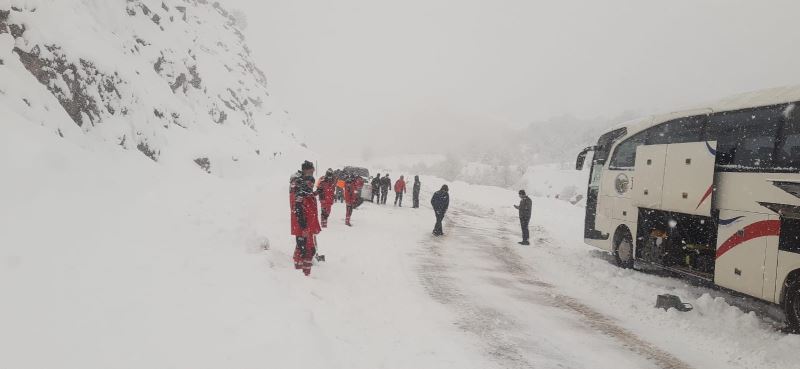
(623, 251)
(791, 305)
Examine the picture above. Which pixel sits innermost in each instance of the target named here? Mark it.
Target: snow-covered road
(523, 322)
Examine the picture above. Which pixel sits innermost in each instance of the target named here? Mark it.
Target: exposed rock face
(138, 72)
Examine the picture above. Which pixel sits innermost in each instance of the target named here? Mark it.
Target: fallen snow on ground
(110, 260)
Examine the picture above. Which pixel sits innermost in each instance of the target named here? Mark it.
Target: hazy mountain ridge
(514, 157)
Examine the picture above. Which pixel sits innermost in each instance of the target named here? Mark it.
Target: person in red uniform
(326, 189)
(399, 190)
(305, 223)
(350, 196)
(359, 184)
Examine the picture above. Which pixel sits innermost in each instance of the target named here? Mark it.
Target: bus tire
(791, 304)
(623, 250)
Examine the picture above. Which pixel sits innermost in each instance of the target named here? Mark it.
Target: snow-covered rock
(173, 79)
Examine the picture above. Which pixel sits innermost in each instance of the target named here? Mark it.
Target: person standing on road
(340, 186)
(326, 189)
(440, 202)
(350, 197)
(305, 223)
(358, 184)
(386, 182)
(415, 192)
(376, 188)
(399, 190)
(525, 207)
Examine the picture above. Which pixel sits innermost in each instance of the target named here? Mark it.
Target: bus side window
(689, 129)
(745, 139)
(789, 150)
(625, 153)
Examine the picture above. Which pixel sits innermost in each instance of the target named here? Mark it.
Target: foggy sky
(418, 75)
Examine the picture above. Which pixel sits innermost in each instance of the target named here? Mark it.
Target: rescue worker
(415, 192)
(440, 202)
(340, 186)
(386, 182)
(350, 195)
(376, 188)
(326, 190)
(525, 206)
(358, 184)
(399, 190)
(305, 223)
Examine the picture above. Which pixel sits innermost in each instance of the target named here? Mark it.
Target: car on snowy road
(366, 191)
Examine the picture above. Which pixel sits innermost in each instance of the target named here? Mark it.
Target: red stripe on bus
(760, 229)
(708, 193)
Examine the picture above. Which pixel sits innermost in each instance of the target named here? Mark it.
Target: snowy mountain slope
(173, 79)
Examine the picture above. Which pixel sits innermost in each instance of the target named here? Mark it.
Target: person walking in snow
(399, 190)
(326, 190)
(525, 207)
(376, 188)
(386, 182)
(350, 196)
(305, 223)
(415, 192)
(340, 186)
(440, 202)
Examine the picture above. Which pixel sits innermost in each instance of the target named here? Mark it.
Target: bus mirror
(582, 157)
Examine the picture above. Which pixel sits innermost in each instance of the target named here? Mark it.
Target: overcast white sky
(396, 75)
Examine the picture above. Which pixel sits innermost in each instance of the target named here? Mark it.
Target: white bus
(712, 193)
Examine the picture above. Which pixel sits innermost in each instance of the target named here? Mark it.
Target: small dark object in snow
(671, 301)
(321, 258)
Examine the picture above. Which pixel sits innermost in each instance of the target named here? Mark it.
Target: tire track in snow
(487, 324)
(442, 287)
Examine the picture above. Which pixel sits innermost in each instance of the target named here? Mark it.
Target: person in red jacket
(326, 189)
(399, 190)
(305, 223)
(358, 184)
(350, 196)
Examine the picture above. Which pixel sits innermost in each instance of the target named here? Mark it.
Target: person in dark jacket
(525, 206)
(440, 202)
(415, 192)
(386, 182)
(376, 188)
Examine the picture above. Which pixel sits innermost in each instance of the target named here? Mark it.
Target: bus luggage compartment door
(742, 250)
(648, 181)
(689, 178)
